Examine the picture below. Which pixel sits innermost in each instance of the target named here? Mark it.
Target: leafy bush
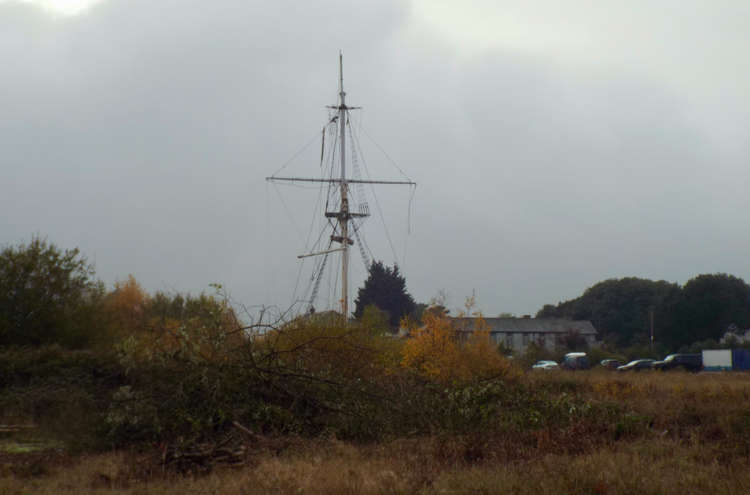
(64, 392)
(437, 351)
(47, 295)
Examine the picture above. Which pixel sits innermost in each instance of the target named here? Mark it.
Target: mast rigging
(344, 215)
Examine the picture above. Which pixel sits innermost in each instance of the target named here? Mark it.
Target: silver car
(636, 365)
(546, 365)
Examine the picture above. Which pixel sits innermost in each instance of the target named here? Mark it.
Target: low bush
(65, 393)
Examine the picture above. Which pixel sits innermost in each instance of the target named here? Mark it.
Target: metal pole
(651, 318)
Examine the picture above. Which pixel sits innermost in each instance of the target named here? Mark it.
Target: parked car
(636, 365)
(611, 364)
(690, 362)
(575, 361)
(546, 365)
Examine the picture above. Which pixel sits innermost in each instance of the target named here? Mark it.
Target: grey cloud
(142, 134)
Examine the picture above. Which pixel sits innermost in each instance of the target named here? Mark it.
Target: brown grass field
(682, 433)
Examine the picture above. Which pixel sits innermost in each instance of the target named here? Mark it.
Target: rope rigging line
(362, 205)
(304, 298)
(411, 197)
(332, 190)
(377, 204)
(313, 288)
(361, 247)
(336, 277)
(319, 277)
(364, 242)
(312, 248)
(296, 285)
(331, 166)
(267, 252)
(295, 299)
(408, 223)
(296, 294)
(322, 145)
(393, 162)
(318, 201)
(298, 153)
(289, 213)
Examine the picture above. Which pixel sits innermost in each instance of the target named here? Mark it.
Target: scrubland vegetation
(564, 432)
(161, 393)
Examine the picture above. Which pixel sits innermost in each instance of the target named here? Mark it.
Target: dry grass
(688, 434)
(644, 466)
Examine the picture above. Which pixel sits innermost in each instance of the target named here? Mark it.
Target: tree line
(50, 295)
(622, 310)
(125, 366)
(702, 309)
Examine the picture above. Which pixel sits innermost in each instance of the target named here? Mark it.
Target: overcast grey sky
(555, 144)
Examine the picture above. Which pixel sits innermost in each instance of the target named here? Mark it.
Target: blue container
(740, 359)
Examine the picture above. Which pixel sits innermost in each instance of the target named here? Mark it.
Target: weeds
(323, 409)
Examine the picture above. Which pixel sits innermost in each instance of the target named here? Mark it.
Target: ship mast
(344, 211)
(344, 215)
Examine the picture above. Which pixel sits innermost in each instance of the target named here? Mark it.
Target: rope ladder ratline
(363, 206)
(316, 286)
(361, 247)
(377, 204)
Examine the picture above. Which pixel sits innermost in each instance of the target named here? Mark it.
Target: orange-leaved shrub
(325, 345)
(125, 309)
(160, 323)
(441, 352)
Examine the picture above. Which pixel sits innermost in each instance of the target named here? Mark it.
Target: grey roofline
(530, 325)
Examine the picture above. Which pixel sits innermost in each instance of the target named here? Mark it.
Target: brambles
(673, 433)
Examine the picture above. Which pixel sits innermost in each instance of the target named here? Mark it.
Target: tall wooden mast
(343, 215)
(344, 210)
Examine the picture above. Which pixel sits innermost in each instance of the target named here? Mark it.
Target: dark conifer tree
(385, 287)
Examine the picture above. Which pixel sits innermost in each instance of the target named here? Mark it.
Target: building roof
(530, 325)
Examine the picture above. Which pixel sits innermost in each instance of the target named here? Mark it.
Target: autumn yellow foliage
(443, 353)
(125, 308)
(199, 325)
(324, 344)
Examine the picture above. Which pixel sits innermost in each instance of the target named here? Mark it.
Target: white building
(518, 333)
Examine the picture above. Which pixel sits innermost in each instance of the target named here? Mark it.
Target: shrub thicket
(47, 296)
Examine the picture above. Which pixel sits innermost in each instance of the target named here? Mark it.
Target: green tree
(385, 287)
(708, 304)
(572, 341)
(620, 308)
(375, 320)
(47, 295)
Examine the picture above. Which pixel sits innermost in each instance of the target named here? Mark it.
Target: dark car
(575, 361)
(636, 365)
(689, 362)
(611, 364)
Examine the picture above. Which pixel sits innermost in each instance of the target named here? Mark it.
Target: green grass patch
(27, 447)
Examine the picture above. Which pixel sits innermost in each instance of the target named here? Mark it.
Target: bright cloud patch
(65, 7)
